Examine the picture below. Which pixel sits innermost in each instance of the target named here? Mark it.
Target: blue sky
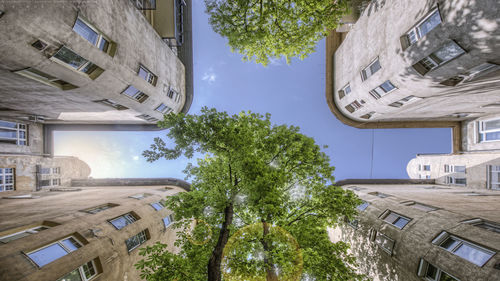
(294, 95)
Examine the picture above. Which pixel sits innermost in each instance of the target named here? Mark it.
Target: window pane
(121, 222)
(391, 218)
(449, 244)
(132, 242)
(166, 221)
(473, 254)
(72, 276)
(103, 45)
(363, 206)
(492, 136)
(387, 86)
(401, 222)
(375, 67)
(491, 125)
(157, 206)
(143, 73)
(15, 236)
(66, 55)
(429, 23)
(448, 52)
(446, 277)
(47, 254)
(71, 244)
(86, 32)
(431, 272)
(8, 124)
(130, 91)
(89, 270)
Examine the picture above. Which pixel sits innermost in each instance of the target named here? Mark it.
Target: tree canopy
(263, 30)
(268, 187)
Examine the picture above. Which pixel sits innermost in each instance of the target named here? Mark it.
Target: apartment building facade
(419, 230)
(90, 232)
(417, 64)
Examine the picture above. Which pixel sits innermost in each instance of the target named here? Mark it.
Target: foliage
(253, 172)
(264, 29)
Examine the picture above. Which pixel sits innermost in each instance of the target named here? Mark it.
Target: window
(82, 273)
(6, 179)
(162, 108)
(72, 60)
(428, 177)
(395, 219)
(136, 240)
(145, 4)
(432, 273)
(428, 23)
(354, 223)
(488, 225)
(147, 118)
(56, 182)
(123, 220)
(404, 101)
(100, 208)
(147, 75)
(167, 221)
(464, 249)
(446, 168)
(91, 34)
(157, 206)
(489, 130)
(384, 242)
(427, 167)
(45, 171)
(457, 181)
(368, 115)
(357, 188)
(493, 180)
(135, 94)
(363, 206)
(173, 95)
(370, 69)
(383, 89)
(13, 133)
(112, 103)
(140, 196)
(54, 251)
(439, 57)
(45, 78)
(419, 206)
(379, 194)
(56, 170)
(459, 169)
(39, 45)
(23, 233)
(471, 74)
(346, 90)
(353, 106)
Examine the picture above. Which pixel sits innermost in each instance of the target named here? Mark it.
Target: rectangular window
(46, 79)
(488, 225)
(354, 223)
(54, 251)
(83, 273)
(368, 115)
(428, 23)
(162, 108)
(446, 168)
(145, 4)
(92, 34)
(56, 182)
(135, 94)
(363, 206)
(147, 118)
(157, 206)
(56, 170)
(370, 69)
(112, 103)
(395, 219)
(147, 75)
(167, 221)
(404, 101)
(136, 240)
(427, 167)
(353, 106)
(493, 180)
(459, 169)
(433, 273)
(7, 177)
(489, 130)
(383, 89)
(100, 208)
(140, 196)
(419, 206)
(457, 181)
(13, 133)
(446, 53)
(471, 74)
(123, 220)
(384, 242)
(68, 58)
(346, 90)
(464, 249)
(23, 233)
(379, 194)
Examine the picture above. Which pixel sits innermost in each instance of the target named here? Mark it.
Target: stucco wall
(52, 22)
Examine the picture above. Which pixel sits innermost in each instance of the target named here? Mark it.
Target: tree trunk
(214, 270)
(270, 272)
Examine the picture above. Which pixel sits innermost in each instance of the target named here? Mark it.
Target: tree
(264, 29)
(253, 173)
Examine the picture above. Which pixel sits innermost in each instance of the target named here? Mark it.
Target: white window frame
(157, 203)
(142, 238)
(100, 35)
(495, 227)
(482, 132)
(397, 216)
(384, 238)
(171, 218)
(453, 180)
(404, 101)
(138, 96)
(19, 127)
(490, 183)
(416, 29)
(423, 267)
(342, 92)
(147, 117)
(31, 230)
(165, 110)
(58, 242)
(364, 72)
(378, 92)
(129, 218)
(445, 236)
(151, 78)
(420, 206)
(79, 69)
(45, 78)
(81, 270)
(4, 173)
(432, 61)
(426, 168)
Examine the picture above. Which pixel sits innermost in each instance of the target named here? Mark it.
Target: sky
(294, 95)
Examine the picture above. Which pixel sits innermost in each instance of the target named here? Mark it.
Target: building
(409, 230)
(94, 65)
(418, 64)
(472, 170)
(91, 231)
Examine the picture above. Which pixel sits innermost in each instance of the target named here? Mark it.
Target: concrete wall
(476, 167)
(472, 24)
(413, 242)
(26, 173)
(104, 241)
(137, 43)
(35, 139)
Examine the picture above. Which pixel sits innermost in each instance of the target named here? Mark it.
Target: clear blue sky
(294, 94)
